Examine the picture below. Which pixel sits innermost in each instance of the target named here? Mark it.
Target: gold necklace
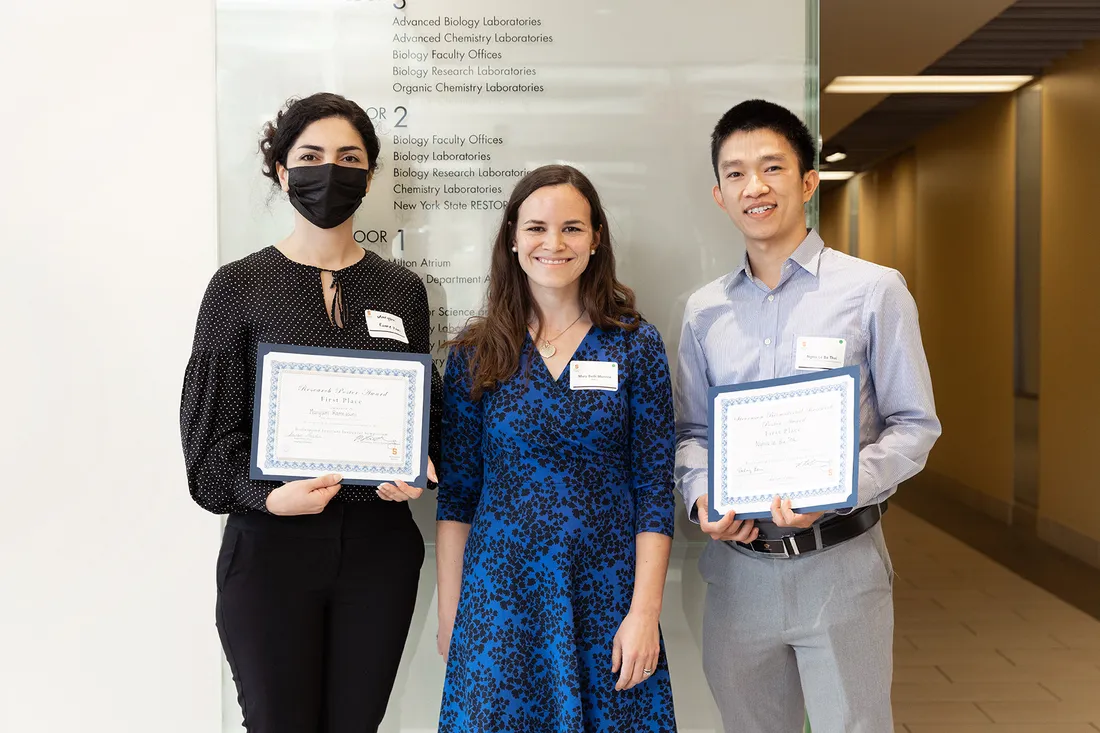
(547, 349)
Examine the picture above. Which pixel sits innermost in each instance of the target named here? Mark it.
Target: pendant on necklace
(547, 350)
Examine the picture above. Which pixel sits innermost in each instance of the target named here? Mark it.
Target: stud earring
(514, 249)
(592, 252)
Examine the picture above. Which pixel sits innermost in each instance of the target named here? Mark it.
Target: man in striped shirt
(799, 608)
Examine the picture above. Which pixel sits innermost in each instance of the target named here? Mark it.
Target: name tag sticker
(386, 326)
(820, 352)
(594, 375)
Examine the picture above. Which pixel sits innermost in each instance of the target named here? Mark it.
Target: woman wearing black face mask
(316, 581)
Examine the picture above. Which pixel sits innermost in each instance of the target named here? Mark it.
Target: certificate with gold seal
(362, 414)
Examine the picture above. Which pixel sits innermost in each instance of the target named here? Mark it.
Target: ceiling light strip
(927, 84)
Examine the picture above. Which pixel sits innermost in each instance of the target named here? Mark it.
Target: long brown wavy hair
(497, 338)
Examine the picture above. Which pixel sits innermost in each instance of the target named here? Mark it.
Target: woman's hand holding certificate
(306, 496)
(401, 491)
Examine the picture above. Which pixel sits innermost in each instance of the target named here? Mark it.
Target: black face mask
(326, 195)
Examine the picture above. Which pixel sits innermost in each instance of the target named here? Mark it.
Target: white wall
(107, 238)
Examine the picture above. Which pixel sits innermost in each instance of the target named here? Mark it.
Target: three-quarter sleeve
(462, 472)
(420, 342)
(653, 433)
(215, 414)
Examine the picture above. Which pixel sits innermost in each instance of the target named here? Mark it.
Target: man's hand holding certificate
(796, 438)
(359, 414)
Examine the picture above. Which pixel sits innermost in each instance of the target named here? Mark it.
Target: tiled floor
(977, 648)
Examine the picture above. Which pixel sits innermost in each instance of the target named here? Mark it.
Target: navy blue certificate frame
(263, 349)
(712, 453)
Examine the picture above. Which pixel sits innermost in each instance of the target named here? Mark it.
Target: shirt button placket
(773, 323)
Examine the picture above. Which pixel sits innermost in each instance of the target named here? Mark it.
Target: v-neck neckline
(546, 367)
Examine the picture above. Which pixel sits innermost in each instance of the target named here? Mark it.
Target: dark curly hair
(279, 135)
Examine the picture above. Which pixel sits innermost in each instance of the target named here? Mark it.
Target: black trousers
(313, 613)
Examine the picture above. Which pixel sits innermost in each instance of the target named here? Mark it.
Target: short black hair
(758, 114)
(298, 114)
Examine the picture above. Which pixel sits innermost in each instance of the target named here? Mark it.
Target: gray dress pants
(813, 633)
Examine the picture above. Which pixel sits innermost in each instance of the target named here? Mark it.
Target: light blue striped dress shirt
(736, 330)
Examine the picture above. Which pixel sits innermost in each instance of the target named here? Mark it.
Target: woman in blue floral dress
(556, 504)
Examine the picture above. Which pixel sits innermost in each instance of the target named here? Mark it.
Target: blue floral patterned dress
(556, 484)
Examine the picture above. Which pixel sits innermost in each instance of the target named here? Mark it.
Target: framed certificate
(796, 437)
(362, 414)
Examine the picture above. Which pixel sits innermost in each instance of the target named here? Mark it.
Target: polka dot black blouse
(267, 297)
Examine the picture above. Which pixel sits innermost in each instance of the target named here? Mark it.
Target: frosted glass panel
(468, 94)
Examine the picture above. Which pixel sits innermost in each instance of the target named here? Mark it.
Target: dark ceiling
(1027, 38)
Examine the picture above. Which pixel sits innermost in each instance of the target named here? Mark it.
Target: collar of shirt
(807, 257)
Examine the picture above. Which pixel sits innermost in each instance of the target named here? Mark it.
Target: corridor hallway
(979, 649)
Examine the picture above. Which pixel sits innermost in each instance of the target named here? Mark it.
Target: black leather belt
(838, 529)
